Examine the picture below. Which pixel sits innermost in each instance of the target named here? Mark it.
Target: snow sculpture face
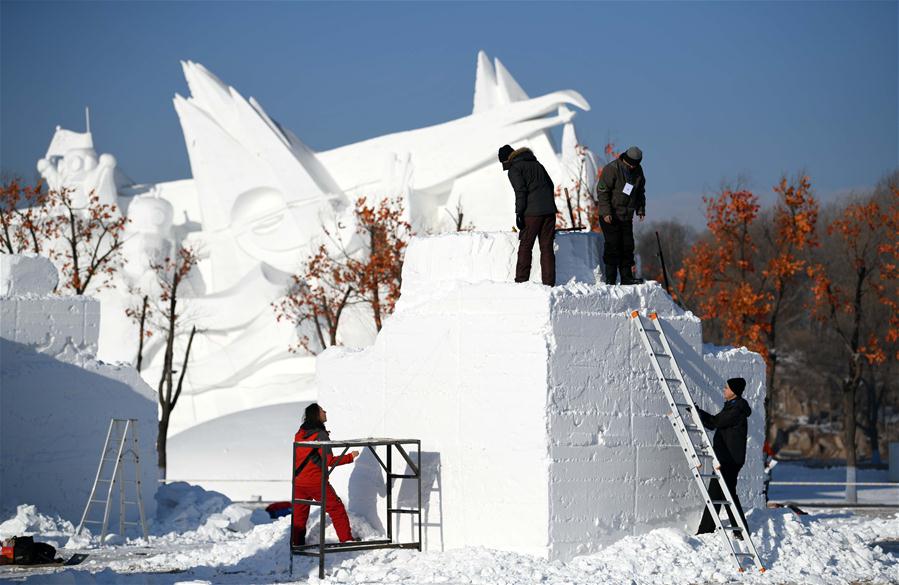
(272, 229)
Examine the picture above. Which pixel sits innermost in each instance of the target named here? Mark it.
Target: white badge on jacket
(628, 188)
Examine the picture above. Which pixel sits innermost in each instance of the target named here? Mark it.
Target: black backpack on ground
(28, 552)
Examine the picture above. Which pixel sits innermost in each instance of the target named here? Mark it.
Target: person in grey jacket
(620, 193)
(535, 211)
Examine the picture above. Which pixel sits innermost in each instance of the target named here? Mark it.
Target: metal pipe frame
(321, 549)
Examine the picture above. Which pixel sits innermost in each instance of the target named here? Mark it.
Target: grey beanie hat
(634, 154)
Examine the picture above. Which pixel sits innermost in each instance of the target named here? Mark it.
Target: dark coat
(610, 196)
(535, 193)
(730, 426)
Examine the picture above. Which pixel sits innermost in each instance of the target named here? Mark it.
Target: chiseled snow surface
(830, 547)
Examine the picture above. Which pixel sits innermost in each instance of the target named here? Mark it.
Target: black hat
(737, 385)
(504, 152)
(633, 156)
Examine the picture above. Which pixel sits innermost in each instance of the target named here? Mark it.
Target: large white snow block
(57, 400)
(26, 274)
(543, 429)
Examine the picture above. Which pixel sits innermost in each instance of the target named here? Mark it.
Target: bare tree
(170, 276)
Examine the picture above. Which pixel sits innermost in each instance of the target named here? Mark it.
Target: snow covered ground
(201, 537)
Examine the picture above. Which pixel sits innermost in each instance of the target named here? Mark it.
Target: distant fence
(843, 483)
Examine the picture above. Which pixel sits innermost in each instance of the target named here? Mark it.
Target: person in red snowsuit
(307, 485)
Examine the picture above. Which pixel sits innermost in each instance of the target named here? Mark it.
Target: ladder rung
(93, 522)
(98, 501)
(402, 511)
(721, 502)
(670, 380)
(131, 523)
(664, 355)
(132, 503)
(709, 475)
(732, 528)
(742, 554)
(683, 405)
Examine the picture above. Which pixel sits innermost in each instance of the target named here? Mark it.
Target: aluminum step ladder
(693, 439)
(121, 444)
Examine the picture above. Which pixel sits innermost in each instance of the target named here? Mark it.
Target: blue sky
(712, 91)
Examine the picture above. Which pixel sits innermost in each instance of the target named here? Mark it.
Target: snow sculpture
(542, 427)
(258, 201)
(57, 398)
(72, 162)
(148, 236)
(455, 165)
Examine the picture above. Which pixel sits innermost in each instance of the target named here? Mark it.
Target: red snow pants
(333, 506)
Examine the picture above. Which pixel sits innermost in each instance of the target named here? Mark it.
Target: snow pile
(58, 399)
(28, 522)
(527, 397)
(189, 511)
(181, 507)
(26, 274)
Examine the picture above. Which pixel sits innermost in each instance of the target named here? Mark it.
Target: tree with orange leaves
(747, 274)
(343, 274)
(83, 240)
(855, 296)
(88, 239)
(318, 294)
(378, 274)
(22, 218)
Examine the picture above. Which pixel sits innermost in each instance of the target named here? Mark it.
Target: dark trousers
(619, 244)
(707, 524)
(542, 228)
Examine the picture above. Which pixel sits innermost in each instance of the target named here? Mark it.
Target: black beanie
(737, 385)
(504, 152)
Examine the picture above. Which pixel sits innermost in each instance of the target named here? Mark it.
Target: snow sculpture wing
(255, 181)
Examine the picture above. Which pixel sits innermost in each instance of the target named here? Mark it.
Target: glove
(519, 221)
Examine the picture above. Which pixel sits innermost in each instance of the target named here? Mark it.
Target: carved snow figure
(148, 236)
(72, 162)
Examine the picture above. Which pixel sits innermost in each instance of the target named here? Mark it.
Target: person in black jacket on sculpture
(535, 211)
(621, 193)
(730, 426)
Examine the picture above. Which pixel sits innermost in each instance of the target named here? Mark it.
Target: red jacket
(311, 475)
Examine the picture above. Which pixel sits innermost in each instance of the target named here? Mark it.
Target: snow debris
(835, 547)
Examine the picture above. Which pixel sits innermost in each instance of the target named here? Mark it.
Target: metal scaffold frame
(322, 548)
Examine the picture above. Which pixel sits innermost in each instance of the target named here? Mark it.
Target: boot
(627, 276)
(611, 273)
(299, 540)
